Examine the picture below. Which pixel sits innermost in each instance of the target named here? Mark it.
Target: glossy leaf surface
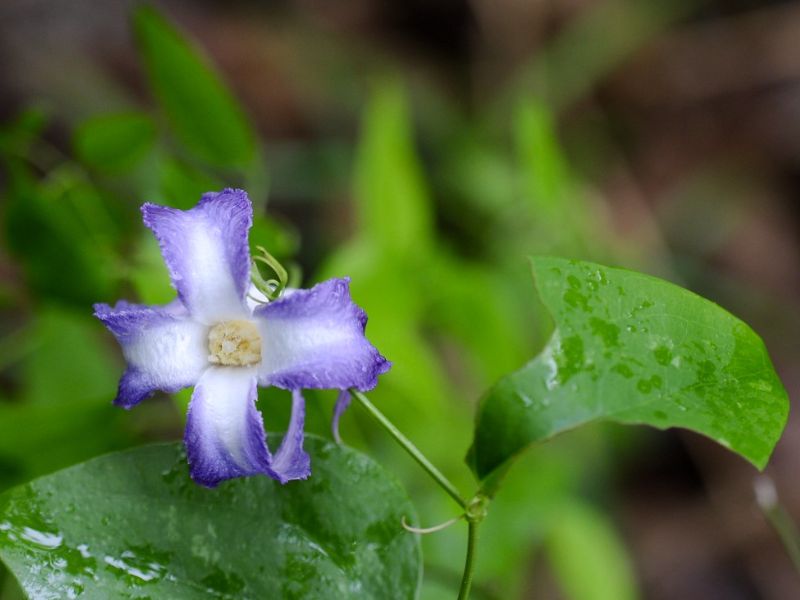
(134, 525)
(633, 349)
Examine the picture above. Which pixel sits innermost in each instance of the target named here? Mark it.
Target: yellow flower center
(234, 343)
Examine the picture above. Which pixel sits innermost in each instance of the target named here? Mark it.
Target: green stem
(412, 450)
(474, 510)
(787, 531)
(469, 563)
(776, 515)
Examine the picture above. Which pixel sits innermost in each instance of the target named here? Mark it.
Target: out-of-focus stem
(776, 515)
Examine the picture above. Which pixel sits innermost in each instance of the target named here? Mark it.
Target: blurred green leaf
(470, 303)
(278, 238)
(17, 135)
(521, 515)
(68, 360)
(588, 558)
(133, 523)
(114, 142)
(558, 216)
(148, 274)
(593, 44)
(545, 170)
(391, 192)
(60, 251)
(200, 108)
(633, 349)
(40, 438)
(181, 185)
(477, 173)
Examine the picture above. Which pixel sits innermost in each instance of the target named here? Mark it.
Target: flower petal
(206, 252)
(165, 349)
(291, 461)
(224, 431)
(315, 339)
(342, 403)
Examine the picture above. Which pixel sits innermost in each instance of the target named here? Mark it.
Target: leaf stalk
(411, 449)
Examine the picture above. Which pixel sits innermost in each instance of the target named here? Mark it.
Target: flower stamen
(234, 343)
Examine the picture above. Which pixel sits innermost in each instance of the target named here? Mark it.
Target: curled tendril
(475, 512)
(434, 529)
(273, 287)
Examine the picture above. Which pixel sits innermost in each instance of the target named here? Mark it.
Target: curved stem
(469, 563)
(409, 447)
(474, 509)
(776, 515)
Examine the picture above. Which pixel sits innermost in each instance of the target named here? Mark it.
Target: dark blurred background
(661, 136)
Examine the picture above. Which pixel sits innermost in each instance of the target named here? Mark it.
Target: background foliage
(424, 152)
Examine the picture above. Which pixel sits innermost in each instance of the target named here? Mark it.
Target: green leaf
(587, 556)
(638, 350)
(277, 237)
(69, 361)
(594, 43)
(198, 105)
(57, 247)
(133, 524)
(558, 216)
(148, 274)
(40, 438)
(114, 142)
(181, 185)
(393, 199)
(488, 332)
(17, 136)
(546, 174)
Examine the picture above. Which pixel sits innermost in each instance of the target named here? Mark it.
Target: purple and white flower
(214, 337)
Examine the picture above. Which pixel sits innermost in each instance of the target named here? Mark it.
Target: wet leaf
(638, 350)
(133, 524)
